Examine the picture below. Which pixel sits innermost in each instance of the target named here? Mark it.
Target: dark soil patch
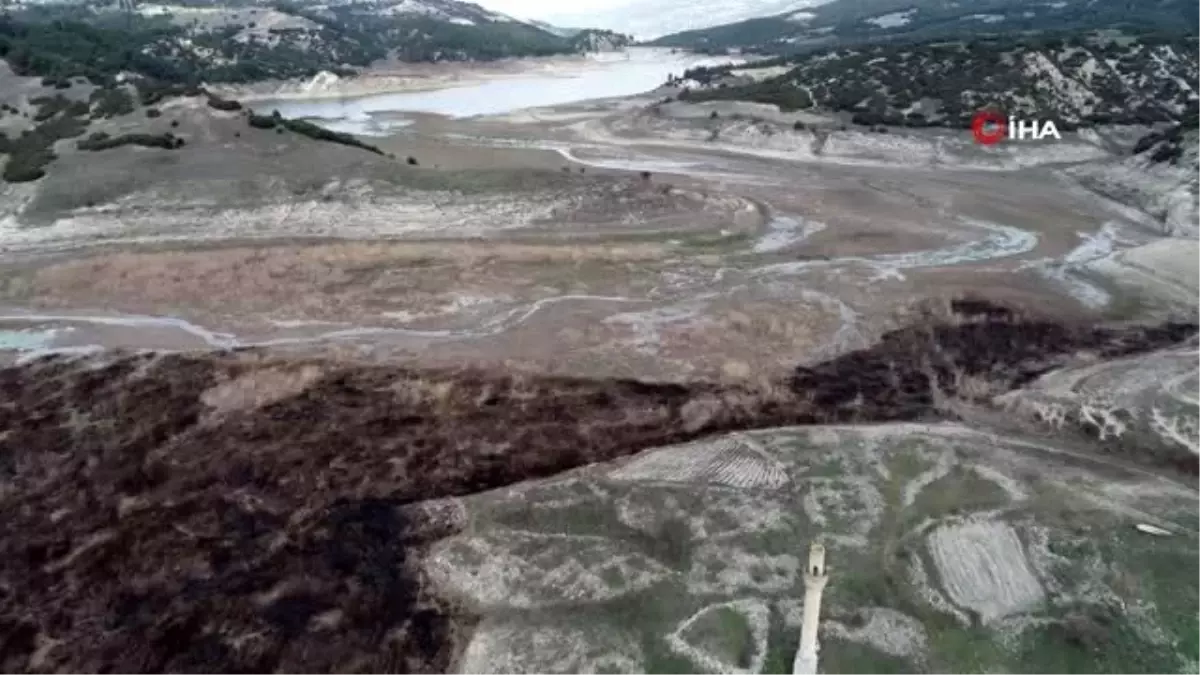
(989, 350)
(143, 533)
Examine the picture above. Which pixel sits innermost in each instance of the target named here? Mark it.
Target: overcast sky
(537, 9)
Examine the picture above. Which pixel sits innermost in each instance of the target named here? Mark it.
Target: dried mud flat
(238, 511)
(719, 261)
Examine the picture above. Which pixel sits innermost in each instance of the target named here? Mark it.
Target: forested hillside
(853, 22)
(1078, 81)
(250, 42)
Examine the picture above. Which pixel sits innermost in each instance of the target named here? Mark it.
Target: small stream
(36, 340)
(1000, 241)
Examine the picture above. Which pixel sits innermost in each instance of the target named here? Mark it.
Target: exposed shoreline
(399, 78)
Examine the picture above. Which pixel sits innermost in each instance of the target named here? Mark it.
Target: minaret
(814, 585)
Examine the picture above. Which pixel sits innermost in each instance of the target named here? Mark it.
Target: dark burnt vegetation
(158, 518)
(173, 566)
(999, 349)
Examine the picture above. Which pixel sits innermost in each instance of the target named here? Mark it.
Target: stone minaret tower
(814, 585)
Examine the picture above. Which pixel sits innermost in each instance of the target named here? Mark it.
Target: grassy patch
(481, 181)
(1155, 579)
(966, 650)
(653, 614)
(879, 579)
(1164, 571)
(716, 243)
(671, 543)
(661, 659)
(725, 633)
(959, 492)
(859, 587)
(841, 656)
(903, 466)
(588, 518)
(613, 577)
(782, 643)
(832, 467)
(778, 541)
(861, 582)
(1092, 640)
(1069, 511)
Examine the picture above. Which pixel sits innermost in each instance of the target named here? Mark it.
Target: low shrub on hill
(153, 91)
(49, 106)
(278, 122)
(102, 141)
(219, 103)
(33, 150)
(262, 121)
(111, 102)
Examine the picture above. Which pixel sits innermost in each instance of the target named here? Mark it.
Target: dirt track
(239, 512)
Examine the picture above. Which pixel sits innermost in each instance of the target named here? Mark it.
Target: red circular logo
(989, 127)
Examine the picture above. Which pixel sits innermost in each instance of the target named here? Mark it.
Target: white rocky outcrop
(322, 81)
(1167, 192)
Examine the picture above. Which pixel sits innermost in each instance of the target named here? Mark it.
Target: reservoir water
(633, 71)
(25, 338)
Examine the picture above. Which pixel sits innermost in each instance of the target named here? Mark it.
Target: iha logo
(990, 127)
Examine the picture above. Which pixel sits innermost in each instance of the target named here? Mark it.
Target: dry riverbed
(616, 236)
(560, 239)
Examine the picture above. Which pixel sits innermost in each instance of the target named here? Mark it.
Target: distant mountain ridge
(247, 41)
(557, 30)
(650, 19)
(848, 22)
